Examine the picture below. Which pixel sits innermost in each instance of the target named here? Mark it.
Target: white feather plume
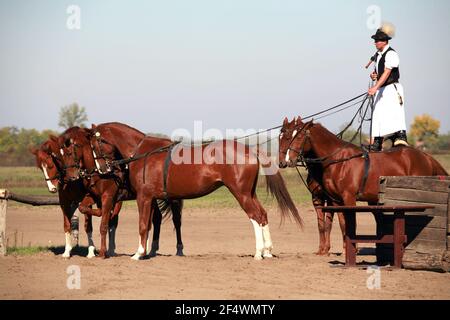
(388, 28)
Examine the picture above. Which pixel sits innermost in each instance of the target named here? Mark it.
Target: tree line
(15, 143)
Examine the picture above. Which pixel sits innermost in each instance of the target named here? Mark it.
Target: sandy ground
(218, 263)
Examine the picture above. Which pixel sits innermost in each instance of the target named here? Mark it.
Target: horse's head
(49, 162)
(294, 141)
(73, 143)
(103, 149)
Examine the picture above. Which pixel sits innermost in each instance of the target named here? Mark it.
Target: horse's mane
(119, 124)
(333, 136)
(76, 132)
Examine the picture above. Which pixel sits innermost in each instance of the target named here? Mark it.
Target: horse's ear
(299, 120)
(93, 126)
(285, 121)
(53, 138)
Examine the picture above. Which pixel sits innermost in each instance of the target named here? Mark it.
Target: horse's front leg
(113, 223)
(145, 221)
(107, 204)
(68, 210)
(85, 207)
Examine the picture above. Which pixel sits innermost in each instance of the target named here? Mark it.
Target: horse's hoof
(66, 255)
(268, 255)
(137, 257)
(152, 254)
(91, 252)
(180, 253)
(111, 254)
(258, 257)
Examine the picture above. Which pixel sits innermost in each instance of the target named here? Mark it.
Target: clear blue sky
(160, 65)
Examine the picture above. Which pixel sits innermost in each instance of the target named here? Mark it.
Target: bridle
(300, 152)
(108, 158)
(55, 160)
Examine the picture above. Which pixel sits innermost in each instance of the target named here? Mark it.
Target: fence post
(3, 208)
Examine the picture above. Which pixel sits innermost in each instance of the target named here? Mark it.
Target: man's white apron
(388, 115)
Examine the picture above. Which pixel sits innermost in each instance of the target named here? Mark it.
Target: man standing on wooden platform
(388, 117)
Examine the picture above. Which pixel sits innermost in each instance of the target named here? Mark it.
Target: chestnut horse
(107, 189)
(313, 184)
(158, 176)
(342, 164)
(49, 160)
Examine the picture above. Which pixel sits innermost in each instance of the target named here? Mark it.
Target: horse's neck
(324, 143)
(126, 141)
(128, 145)
(151, 143)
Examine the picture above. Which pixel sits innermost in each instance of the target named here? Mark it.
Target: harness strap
(362, 187)
(166, 169)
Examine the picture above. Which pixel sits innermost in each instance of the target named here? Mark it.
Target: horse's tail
(276, 186)
(166, 206)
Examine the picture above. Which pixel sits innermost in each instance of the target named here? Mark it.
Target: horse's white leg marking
(51, 187)
(267, 242)
(112, 241)
(139, 253)
(148, 244)
(91, 248)
(259, 239)
(68, 247)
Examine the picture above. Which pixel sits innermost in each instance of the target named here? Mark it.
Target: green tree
(425, 131)
(350, 133)
(72, 115)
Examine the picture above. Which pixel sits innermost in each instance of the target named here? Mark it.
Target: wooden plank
(418, 196)
(33, 200)
(420, 183)
(429, 233)
(425, 245)
(3, 208)
(439, 209)
(428, 261)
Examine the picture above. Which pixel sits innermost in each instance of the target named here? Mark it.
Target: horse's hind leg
(157, 217)
(268, 245)
(176, 218)
(253, 212)
(342, 225)
(320, 225)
